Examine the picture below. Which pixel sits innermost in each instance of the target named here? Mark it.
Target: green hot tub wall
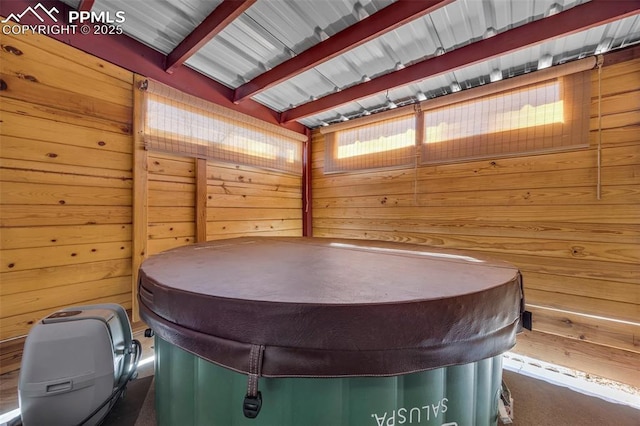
(193, 391)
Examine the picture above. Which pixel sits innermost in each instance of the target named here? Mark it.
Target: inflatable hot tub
(313, 331)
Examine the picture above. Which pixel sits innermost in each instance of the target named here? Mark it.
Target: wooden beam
(307, 200)
(578, 18)
(212, 25)
(140, 194)
(382, 22)
(86, 5)
(201, 200)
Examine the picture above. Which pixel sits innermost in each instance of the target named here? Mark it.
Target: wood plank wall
(66, 184)
(171, 201)
(245, 201)
(240, 201)
(67, 188)
(580, 256)
(187, 205)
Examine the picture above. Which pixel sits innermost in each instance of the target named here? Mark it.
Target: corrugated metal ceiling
(160, 24)
(615, 35)
(273, 31)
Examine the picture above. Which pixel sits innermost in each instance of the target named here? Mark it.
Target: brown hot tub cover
(314, 307)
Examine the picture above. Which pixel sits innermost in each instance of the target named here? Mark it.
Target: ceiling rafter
(213, 24)
(385, 20)
(86, 5)
(578, 18)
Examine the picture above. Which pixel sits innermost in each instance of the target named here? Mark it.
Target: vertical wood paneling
(579, 254)
(65, 184)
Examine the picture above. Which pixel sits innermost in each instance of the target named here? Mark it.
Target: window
(537, 106)
(539, 112)
(384, 143)
(547, 116)
(182, 124)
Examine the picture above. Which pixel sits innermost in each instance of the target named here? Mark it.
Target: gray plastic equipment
(75, 362)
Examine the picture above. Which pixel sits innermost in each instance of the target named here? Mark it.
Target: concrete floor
(538, 403)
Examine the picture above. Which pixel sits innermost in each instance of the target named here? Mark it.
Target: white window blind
(182, 124)
(385, 143)
(547, 116)
(547, 110)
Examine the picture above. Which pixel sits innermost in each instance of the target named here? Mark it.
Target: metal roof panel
(575, 46)
(270, 32)
(161, 24)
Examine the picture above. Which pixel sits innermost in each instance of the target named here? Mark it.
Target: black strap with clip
(253, 399)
